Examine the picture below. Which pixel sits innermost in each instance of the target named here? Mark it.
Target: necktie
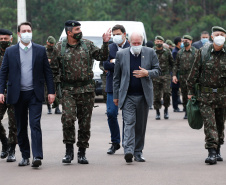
(26, 48)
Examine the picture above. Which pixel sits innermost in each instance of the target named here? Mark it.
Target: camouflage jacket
(210, 72)
(77, 67)
(1, 56)
(165, 61)
(184, 62)
(49, 52)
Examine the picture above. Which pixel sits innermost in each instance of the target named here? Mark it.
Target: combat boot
(211, 159)
(5, 147)
(219, 158)
(69, 156)
(49, 109)
(166, 115)
(82, 156)
(57, 110)
(157, 115)
(11, 157)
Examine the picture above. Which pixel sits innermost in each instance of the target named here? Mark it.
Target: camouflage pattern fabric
(162, 84)
(12, 139)
(182, 65)
(104, 79)
(210, 73)
(77, 101)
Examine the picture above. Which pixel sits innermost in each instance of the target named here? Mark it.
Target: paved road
(174, 156)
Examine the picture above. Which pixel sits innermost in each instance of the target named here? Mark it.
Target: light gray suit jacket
(121, 79)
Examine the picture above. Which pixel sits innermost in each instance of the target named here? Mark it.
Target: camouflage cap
(158, 37)
(169, 42)
(187, 37)
(218, 28)
(5, 32)
(51, 40)
(72, 23)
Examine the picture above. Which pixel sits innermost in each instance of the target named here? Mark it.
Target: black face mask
(4, 44)
(49, 47)
(186, 44)
(77, 36)
(159, 45)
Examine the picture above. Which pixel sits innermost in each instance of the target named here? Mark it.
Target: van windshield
(98, 41)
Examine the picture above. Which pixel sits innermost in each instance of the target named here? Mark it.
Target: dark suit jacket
(110, 66)
(197, 44)
(11, 70)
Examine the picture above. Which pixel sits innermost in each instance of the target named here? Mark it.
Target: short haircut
(23, 23)
(68, 29)
(176, 40)
(205, 32)
(119, 27)
(137, 33)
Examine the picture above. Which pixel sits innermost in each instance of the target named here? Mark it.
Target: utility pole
(21, 12)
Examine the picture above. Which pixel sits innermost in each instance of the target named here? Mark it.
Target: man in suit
(133, 92)
(27, 68)
(205, 36)
(120, 42)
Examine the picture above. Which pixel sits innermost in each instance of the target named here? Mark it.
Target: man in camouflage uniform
(8, 145)
(170, 44)
(50, 43)
(209, 70)
(162, 84)
(183, 63)
(74, 60)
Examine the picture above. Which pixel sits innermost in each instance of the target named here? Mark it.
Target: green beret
(5, 32)
(159, 38)
(187, 37)
(218, 28)
(169, 42)
(51, 40)
(72, 23)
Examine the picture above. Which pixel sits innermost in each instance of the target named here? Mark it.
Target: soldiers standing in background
(184, 61)
(74, 61)
(8, 145)
(50, 43)
(209, 70)
(162, 84)
(170, 44)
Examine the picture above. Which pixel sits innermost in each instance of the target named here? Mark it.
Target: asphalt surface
(174, 155)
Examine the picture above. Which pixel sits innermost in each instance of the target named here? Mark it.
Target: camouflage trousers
(12, 139)
(162, 88)
(213, 120)
(77, 106)
(184, 90)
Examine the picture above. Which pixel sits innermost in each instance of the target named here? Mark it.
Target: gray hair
(137, 34)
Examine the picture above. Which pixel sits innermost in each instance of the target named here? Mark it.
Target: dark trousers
(112, 113)
(29, 104)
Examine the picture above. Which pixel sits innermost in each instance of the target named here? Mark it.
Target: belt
(213, 90)
(77, 84)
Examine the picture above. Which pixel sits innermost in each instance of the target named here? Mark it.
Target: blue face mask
(181, 45)
(204, 40)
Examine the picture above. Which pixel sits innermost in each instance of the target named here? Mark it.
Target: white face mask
(117, 39)
(26, 37)
(219, 40)
(136, 49)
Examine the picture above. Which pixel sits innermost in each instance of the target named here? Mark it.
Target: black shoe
(24, 162)
(11, 157)
(211, 159)
(185, 116)
(49, 109)
(69, 156)
(177, 110)
(82, 156)
(36, 162)
(114, 147)
(166, 115)
(129, 157)
(5, 147)
(57, 110)
(219, 158)
(151, 108)
(139, 158)
(157, 117)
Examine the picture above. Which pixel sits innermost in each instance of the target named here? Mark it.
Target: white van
(93, 30)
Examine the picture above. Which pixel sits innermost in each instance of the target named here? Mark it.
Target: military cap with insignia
(72, 23)
(218, 28)
(51, 40)
(5, 32)
(159, 38)
(187, 37)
